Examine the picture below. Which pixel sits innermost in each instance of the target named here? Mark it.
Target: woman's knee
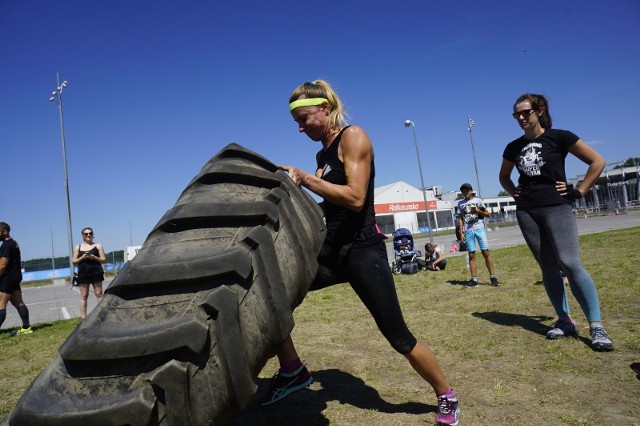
(400, 338)
(404, 345)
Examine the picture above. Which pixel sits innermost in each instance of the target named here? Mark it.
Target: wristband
(577, 194)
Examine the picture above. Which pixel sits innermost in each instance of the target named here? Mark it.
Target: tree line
(629, 162)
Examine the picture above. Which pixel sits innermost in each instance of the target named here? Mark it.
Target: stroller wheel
(396, 268)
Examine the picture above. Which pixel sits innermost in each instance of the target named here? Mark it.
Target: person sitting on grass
(433, 258)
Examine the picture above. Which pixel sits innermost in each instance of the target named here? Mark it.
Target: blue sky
(156, 88)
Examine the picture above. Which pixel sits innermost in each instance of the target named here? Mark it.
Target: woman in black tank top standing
(89, 256)
(353, 251)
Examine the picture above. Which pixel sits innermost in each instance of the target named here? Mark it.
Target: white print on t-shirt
(469, 217)
(531, 160)
(471, 220)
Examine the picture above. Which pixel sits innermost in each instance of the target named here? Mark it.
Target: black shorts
(9, 287)
(90, 279)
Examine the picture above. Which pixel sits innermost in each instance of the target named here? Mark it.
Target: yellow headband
(306, 102)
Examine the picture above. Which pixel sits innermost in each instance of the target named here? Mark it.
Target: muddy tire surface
(184, 329)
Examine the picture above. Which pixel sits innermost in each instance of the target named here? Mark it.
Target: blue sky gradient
(156, 88)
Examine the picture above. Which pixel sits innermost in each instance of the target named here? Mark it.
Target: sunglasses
(525, 113)
(87, 234)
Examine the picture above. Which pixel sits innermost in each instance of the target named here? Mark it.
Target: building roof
(397, 191)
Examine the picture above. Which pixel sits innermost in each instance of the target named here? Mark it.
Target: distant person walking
(10, 278)
(89, 256)
(545, 215)
(471, 225)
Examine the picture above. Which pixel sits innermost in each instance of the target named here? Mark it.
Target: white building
(400, 205)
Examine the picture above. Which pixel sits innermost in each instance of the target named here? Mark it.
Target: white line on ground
(48, 302)
(65, 313)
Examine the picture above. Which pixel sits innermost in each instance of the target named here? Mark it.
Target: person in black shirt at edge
(353, 250)
(10, 278)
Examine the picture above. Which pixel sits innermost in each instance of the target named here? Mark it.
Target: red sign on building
(404, 207)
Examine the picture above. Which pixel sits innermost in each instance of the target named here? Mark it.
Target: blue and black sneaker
(600, 341)
(282, 384)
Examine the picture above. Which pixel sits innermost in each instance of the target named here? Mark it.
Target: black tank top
(89, 266)
(343, 225)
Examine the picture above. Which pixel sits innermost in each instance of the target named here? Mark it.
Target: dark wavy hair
(538, 102)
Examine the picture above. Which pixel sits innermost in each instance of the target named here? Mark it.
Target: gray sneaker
(562, 329)
(471, 284)
(600, 340)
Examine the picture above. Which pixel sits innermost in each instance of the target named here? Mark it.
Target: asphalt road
(50, 303)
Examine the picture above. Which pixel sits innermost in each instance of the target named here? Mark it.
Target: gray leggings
(552, 235)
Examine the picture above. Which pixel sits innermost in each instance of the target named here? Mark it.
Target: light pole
(409, 123)
(53, 257)
(57, 97)
(473, 151)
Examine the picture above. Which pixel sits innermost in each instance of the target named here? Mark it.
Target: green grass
(490, 342)
(23, 357)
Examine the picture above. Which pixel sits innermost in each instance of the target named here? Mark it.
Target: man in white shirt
(471, 224)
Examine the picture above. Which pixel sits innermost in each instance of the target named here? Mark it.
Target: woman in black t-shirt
(89, 257)
(545, 214)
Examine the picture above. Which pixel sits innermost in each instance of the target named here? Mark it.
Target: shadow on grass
(306, 406)
(464, 282)
(530, 323)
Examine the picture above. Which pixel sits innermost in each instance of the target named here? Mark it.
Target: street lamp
(473, 151)
(409, 123)
(57, 97)
(53, 257)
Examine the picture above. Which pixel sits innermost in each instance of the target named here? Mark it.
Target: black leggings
(367, 270)
(429, 264)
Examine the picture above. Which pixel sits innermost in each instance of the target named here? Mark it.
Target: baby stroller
(406, 257)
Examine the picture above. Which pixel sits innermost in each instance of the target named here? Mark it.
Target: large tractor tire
(184, 329)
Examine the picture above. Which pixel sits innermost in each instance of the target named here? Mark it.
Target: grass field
(490, 342)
